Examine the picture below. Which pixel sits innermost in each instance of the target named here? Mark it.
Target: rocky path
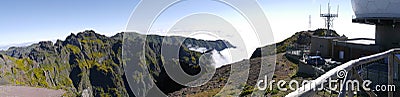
(23, 91)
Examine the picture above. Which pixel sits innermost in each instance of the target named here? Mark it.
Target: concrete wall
(387, 36)
(353, 51)
(323, 45)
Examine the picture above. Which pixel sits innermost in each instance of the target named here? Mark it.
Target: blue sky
(24, 21)
(36, 20)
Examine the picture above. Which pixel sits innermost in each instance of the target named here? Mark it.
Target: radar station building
(385, 15)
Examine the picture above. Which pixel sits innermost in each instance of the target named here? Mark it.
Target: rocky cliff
(91, 64)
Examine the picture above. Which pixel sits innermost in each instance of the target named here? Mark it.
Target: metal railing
(351, 67)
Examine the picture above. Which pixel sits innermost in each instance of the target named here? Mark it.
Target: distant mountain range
(24, 44)
(5, 47)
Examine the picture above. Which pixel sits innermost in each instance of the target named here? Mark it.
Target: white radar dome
(376, 8)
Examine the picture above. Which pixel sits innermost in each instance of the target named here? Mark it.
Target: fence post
(390, 72)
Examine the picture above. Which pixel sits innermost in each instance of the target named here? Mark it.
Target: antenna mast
(309, 21)
(329, 17)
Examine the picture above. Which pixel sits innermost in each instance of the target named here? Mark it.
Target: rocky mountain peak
(46, 45)
(89, 34)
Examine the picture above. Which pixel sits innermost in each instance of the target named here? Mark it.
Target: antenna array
(329, 17)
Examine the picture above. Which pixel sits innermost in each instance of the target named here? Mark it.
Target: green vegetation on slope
(89, 62)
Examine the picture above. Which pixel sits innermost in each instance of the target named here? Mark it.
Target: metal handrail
(308, 89)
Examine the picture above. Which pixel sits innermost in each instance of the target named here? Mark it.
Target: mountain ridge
(88, 63)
